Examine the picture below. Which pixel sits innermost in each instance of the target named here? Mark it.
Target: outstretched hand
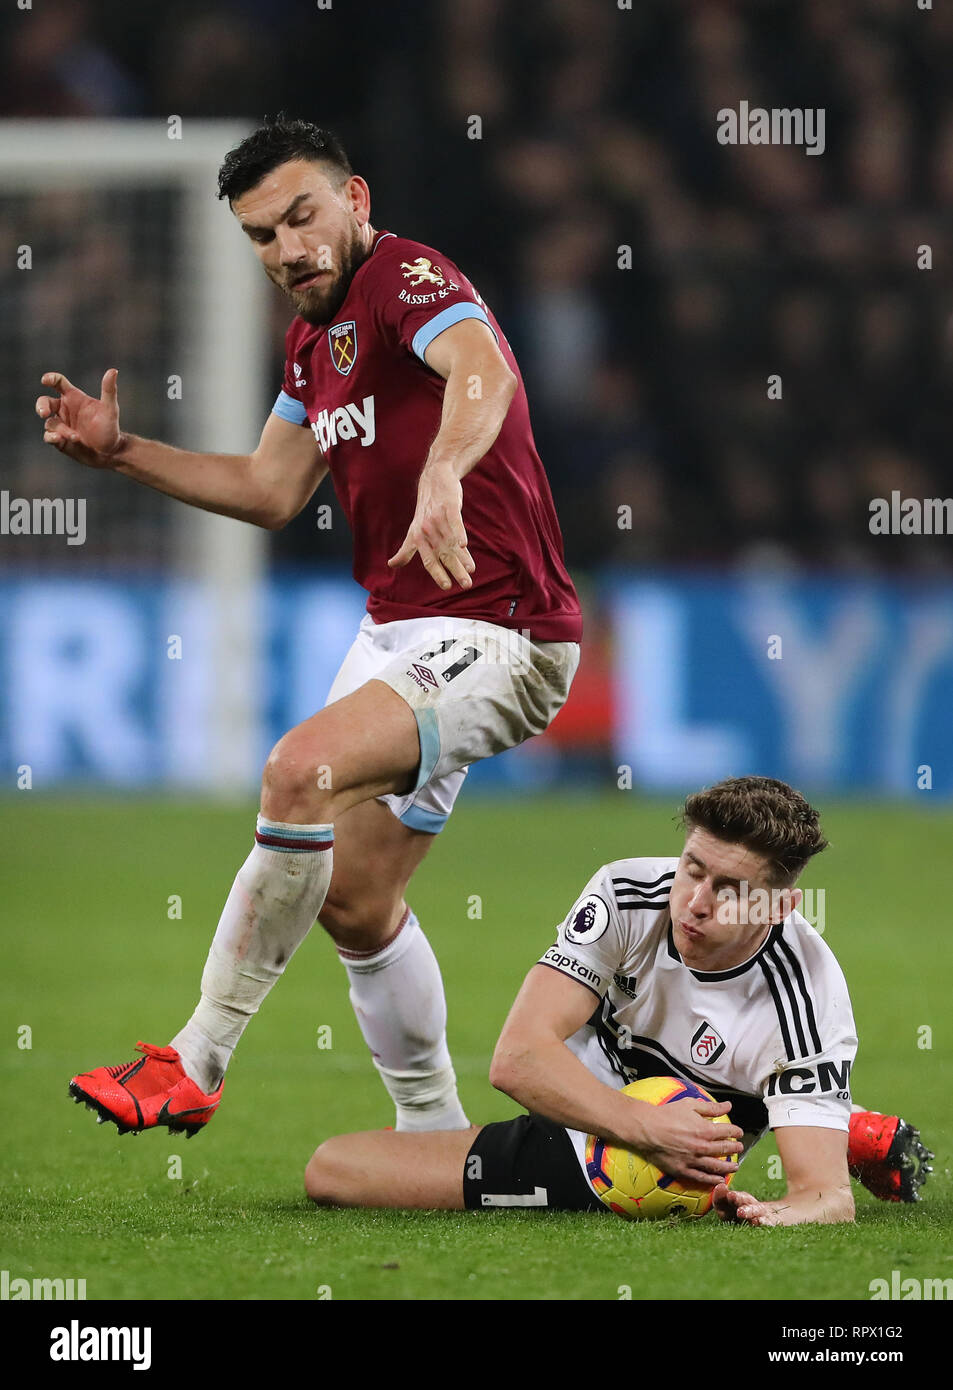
(80, 426)
(437, 533)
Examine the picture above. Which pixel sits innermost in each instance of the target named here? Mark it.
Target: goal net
(118, 253)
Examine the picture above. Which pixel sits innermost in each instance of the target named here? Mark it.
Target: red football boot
(887, 1156)
(152, 1090)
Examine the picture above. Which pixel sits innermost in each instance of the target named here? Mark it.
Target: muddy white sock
(397, 995)
(277, 894)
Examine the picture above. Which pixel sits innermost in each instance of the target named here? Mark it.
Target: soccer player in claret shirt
(400, 383)
(700, 968)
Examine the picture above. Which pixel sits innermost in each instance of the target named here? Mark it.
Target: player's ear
(359, 196)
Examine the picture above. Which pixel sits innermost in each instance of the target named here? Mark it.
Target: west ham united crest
(342, 340)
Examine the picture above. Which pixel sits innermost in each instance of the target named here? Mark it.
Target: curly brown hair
(766, 816)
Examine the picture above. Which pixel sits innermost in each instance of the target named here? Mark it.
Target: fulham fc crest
(707, 1045)
(342, 340)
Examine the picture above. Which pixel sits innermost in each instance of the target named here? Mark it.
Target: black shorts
(526, 1162)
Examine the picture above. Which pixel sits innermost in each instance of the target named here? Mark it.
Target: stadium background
(648, 385)
(744, 519)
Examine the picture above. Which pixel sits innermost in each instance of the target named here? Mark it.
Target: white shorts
(475, 689)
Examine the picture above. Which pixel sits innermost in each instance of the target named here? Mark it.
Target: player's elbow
(276, 508)
(500, 1068)
(272, 498)
(497, 382)
(500, 1072)
(272, 510)
(506, 384)
(275, 511)
(509, 1066)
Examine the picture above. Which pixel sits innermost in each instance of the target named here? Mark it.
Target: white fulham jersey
(775, 1035)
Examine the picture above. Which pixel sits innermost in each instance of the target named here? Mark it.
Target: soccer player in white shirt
(701, 968)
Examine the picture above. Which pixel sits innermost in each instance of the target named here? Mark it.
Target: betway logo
(346, 423)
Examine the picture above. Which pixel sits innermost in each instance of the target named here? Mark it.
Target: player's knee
(323, 1175)
(296, 777)
(360, 922)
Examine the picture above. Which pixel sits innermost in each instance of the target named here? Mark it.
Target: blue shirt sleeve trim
(289, 409)
(446, 319)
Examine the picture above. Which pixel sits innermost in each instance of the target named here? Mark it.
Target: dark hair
(274, 143)
(766, 816)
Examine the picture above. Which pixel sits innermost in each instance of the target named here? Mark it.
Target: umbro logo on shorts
(425, 677)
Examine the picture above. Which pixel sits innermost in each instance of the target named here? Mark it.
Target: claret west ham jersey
(362, 385)
(775, 1035)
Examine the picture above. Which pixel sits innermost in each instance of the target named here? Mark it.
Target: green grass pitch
(93, 961)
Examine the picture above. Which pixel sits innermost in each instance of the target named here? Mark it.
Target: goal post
(208, 355)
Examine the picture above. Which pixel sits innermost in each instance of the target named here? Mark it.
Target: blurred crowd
(650, 279)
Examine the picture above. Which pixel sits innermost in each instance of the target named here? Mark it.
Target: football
(631, 1186)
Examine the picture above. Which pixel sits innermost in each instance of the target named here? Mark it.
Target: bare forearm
(222, 483)
(550, 1080)
(474, 408)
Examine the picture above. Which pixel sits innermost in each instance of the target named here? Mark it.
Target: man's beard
(318, 304)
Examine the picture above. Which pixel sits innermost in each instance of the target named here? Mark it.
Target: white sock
(277, 894)
(397, 995)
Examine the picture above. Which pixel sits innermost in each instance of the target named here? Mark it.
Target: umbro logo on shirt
(346, 422)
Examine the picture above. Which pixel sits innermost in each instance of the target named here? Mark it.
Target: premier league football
(629, 1184)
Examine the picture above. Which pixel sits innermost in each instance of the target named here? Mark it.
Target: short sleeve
(416, 300)
(289, 405)
(814, 1089)
(589, 943)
